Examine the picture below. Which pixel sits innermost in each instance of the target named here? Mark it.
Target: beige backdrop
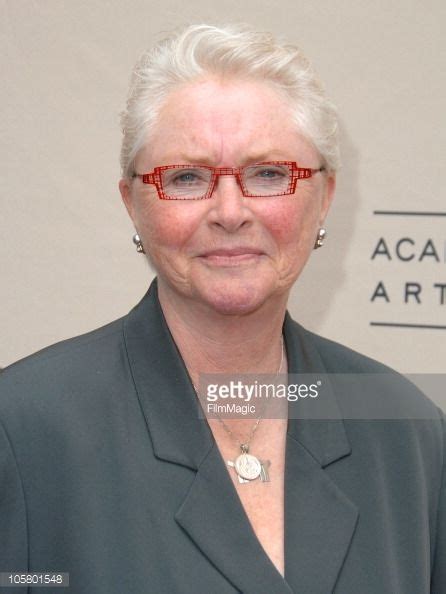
(68, 264)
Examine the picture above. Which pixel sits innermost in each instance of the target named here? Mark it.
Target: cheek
(164, 226)
(293, 225)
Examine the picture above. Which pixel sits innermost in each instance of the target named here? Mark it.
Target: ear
(125, 187)
(329, 192)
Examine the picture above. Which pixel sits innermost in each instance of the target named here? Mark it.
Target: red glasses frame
(155, 178)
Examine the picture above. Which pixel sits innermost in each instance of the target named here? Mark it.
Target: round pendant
(248, 466)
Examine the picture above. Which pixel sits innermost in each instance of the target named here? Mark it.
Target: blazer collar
(164, 387)
(319, 518)
(325, 441)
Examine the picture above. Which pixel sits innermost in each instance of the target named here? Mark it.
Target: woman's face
(229, 253)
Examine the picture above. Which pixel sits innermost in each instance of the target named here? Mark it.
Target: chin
(234, 297)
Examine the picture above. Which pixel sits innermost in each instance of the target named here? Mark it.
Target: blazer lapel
(320, 519)
(215, 520)
(163, 386)
(319, 524)
(211, 512)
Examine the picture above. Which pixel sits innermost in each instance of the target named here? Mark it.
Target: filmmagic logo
(247, 391)
(231, 408)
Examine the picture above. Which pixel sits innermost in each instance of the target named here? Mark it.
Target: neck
(210, 342)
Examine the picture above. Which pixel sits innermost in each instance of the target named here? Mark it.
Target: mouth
(232, 257)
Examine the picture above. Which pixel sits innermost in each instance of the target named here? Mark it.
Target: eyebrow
(272, 155)
(198, 159)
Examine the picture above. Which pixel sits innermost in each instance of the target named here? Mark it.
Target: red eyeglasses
(197, 182)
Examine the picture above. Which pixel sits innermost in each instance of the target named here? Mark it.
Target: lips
(232, 252)
(231, 256)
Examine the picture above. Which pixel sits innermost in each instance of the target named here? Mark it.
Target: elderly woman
(108, 470)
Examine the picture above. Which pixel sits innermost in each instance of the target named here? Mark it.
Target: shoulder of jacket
(338, 358)
(401, 393)
(72, 364)
(87, 342)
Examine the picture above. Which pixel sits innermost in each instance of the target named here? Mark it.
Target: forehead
(224, 123)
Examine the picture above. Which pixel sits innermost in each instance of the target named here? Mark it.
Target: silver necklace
(248, 467)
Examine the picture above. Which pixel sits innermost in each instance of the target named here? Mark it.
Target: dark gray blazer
(106, 472)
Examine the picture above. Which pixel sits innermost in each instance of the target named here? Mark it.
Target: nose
(229, 210)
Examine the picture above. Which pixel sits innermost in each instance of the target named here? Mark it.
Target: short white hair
(230, 52)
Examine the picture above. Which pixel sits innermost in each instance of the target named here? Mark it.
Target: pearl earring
(321, 235)
(139, 246)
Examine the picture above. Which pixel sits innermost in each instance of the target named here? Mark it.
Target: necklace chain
(248, 467)
(244, 446)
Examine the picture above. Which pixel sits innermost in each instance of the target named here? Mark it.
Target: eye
(267, 172)
(187, 177)
(271, 172)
